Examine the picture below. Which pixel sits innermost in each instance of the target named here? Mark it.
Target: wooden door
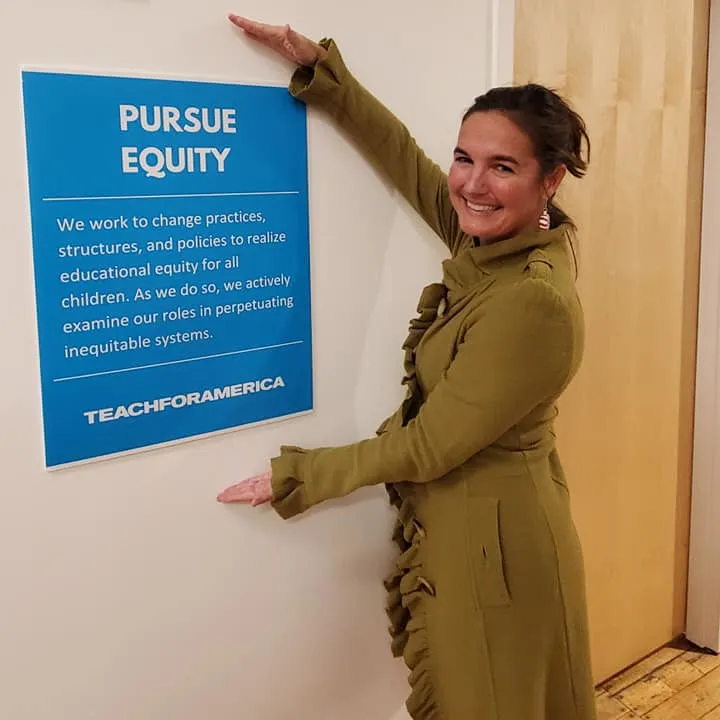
(636, 70)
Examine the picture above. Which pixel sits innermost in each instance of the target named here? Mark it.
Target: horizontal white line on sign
(158, 197)
(178, 362)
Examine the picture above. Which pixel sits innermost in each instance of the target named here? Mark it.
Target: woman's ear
(552, 181)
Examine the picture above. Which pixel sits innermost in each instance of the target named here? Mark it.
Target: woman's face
(496, 185)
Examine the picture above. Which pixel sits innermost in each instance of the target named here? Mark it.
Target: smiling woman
(487, 599)
(514, 148)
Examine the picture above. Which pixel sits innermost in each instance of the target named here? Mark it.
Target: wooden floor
(676, 683)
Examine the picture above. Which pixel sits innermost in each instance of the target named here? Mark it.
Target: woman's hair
(555, 130)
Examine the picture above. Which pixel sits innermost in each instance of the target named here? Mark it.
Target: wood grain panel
(636, 70)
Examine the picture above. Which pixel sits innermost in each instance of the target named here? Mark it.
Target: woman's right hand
(283, 40)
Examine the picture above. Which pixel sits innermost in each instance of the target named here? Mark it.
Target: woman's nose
(476, 183)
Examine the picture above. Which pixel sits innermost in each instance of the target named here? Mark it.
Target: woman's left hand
(256, 490)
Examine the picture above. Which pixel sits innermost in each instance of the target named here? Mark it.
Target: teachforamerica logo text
(178, 402)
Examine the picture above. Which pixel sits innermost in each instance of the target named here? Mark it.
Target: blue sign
(171, 251)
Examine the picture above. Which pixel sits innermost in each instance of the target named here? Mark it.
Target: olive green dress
(486, 602)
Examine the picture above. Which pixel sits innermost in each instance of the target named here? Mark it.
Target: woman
(487, 601)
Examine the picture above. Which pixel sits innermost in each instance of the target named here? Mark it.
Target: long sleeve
(519, 353)
(384, 140)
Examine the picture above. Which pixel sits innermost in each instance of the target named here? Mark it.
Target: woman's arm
(385, 142)
(323, 81)
(521, 354)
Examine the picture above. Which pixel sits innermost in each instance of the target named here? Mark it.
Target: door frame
(703, 601)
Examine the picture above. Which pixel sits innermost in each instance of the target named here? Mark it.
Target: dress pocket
(485, 553)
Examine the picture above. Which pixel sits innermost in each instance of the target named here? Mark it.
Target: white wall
(127, 592)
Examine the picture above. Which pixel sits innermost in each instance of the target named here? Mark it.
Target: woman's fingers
(255, 490)
(261, 31)
(282, 38)
(244, 23)
(240, 492)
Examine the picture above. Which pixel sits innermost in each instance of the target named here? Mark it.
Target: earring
(544, 222)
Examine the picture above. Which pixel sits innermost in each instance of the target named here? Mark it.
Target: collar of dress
(474, 264)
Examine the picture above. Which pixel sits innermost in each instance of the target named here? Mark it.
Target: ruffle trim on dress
(407, 588)
(407, 592)
(427, 309)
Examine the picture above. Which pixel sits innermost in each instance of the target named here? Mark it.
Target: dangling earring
(544, 222)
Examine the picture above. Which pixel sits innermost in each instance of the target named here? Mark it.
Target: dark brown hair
(555, 130)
